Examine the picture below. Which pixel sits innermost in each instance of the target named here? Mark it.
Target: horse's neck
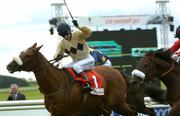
(164, 67)
(161, 66)
(49, 77)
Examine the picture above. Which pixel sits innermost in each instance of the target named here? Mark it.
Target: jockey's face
(67, 36)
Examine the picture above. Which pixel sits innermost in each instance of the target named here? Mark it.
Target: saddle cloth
(94, 78)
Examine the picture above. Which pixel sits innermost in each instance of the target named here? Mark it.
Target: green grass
(31, 92)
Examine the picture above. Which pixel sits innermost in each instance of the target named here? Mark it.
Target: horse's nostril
(8, 67)
(9, 70)
(11, 67)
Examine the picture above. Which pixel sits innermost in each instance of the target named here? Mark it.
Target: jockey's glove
(174, 56)
(75, 23)
(59, 57)
(51, 30)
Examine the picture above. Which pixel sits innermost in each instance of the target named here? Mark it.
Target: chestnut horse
(66, 98)
(159, 64)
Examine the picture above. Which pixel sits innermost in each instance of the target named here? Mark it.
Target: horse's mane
(162, 53)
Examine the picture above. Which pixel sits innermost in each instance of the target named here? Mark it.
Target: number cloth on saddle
(94, 78)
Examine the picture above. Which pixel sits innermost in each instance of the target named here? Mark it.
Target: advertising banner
(161, 110)
(99, 21)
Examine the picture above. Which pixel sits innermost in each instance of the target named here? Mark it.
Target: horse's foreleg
(149, 111)
(106, 111)
(175, 110)
(125, 109)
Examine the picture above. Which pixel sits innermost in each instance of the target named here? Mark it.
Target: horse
(135, 94)
(66, 98)
(158, 64)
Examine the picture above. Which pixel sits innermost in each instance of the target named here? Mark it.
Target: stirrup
(87, 86)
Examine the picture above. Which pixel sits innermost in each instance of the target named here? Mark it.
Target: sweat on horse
(66, 98)
(158, 64)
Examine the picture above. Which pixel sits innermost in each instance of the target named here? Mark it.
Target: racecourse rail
(37, 108)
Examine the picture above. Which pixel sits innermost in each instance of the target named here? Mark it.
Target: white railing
(21, 105)
(23, 108)
(37, 108)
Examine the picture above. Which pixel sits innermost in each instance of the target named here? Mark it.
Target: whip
(68, 10)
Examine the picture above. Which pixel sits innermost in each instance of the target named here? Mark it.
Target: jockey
(100, 58)
(175, 47)
(74, 44)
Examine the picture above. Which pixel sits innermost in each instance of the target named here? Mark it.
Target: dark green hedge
(6, 81)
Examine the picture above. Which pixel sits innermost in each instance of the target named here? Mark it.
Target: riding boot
(87, 85)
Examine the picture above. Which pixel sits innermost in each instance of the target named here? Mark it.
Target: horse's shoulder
(98, 67)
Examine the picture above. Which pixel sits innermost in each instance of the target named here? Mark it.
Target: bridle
(164, 74)
(169, 70)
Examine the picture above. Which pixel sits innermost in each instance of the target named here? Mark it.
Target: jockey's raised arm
(85, 32)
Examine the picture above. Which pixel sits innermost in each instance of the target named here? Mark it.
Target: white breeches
(82, 65)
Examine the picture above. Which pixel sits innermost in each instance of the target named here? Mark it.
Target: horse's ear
(34, 45)
(38, 48)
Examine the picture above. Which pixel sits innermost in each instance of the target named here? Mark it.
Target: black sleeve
(23, 97)
(9, 98)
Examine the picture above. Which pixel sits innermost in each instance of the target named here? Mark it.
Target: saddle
(94, 78)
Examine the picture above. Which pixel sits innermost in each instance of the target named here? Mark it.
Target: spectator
(15, 94)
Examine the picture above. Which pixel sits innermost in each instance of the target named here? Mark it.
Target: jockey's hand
(59, 57)
(174, 57)
(75, 23)
(51, 30)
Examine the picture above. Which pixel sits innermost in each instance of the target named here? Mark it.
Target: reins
(164, 74)
(52, 62)
(171, 68)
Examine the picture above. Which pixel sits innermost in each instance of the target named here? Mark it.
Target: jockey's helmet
(177, 35)
(63, 29)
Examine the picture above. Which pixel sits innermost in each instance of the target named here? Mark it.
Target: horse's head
(25, 61)
(146, 66)
(148, 63)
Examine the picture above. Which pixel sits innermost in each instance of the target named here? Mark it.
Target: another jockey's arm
(175, 46)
